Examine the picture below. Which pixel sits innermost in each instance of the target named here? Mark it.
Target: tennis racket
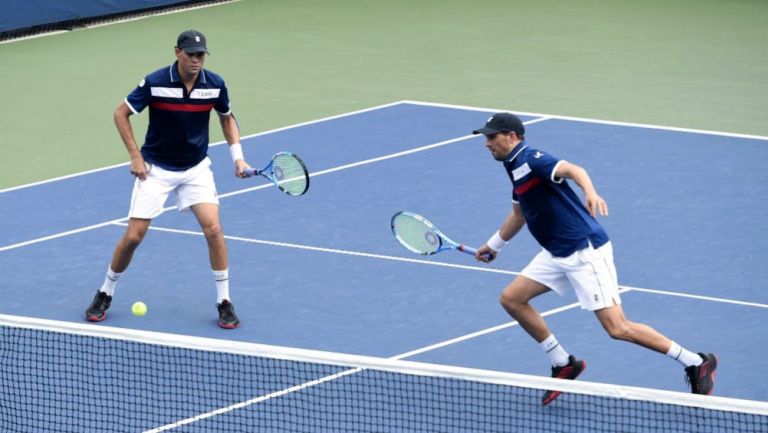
(419, 235)
(287, 171)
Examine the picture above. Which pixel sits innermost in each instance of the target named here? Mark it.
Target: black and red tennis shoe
(227, 317)
(97, 311)
(702, 377)
(570, 371)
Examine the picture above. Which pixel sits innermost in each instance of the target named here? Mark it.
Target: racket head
(289, 173)
(416, 233)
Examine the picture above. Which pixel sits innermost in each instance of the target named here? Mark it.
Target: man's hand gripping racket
(286, 171)
(417, 234)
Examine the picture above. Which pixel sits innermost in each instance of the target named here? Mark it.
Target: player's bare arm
(509, 228)
(232, 135)
(594, 202)
(123, 124)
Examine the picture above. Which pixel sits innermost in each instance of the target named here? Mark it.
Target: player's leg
(121, 258)
(594, 279)
(541, 276)
(134, 234)
(516, 301)
(208, 216)
(198, 193)
(700, 368)
(147, 201)
(618, 327)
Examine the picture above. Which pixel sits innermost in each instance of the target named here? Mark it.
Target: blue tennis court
(322, 271)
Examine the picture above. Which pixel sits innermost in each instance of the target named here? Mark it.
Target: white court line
(357, 370)
(331, 377)
(60, 235)
(245, 190)
(271, 131)
(699, 297)
(427, 104)
(266, 185)
(589, 120)
(487, 331)
(255, 400)
(335, 251)
(622, 288)
(359, 163)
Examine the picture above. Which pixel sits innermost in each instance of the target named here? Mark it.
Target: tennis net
(68, 377)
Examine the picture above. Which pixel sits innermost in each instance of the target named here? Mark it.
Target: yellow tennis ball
(139, 309)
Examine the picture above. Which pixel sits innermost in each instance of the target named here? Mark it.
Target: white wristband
(496, 242)
(236, 150)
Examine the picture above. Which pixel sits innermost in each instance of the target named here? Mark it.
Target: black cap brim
(486, 131)
(197, 49)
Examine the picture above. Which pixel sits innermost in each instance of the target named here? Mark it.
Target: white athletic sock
(683, 356)
(557, 355)
(222, 284)
(110, 282)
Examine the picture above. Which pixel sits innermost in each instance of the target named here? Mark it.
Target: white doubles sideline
(428, 104)
(243, 191)
(271, 131)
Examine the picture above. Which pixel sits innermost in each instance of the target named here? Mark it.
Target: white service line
(335, 251)
(622, 288)
(242, 191)
(263, 186)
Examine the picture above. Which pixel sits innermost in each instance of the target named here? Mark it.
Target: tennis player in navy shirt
(174, 159)
(576, 254)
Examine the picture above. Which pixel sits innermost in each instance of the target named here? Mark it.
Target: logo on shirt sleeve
(521, 171)
(538, 155)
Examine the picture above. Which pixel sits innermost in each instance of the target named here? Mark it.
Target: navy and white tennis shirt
(177, 136)
(555, 215)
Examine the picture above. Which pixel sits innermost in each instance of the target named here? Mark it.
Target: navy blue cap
(192, 41)
(502, 122)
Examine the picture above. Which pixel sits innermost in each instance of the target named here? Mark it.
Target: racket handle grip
(251, 171)
(471, 251)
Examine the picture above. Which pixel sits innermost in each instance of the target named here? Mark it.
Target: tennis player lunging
(576, 254)
(174, 158)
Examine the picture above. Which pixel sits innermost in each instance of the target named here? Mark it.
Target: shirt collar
(516, 151)
(174, 73)
(173, 70)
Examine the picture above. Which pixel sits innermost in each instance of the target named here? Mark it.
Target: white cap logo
(141, 83)
(489, 119)
(197, 38)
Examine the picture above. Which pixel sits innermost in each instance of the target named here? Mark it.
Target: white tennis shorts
(589, 272)
(191, 187)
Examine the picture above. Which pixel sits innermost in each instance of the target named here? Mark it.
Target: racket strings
(415, 234)
(290, 174)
